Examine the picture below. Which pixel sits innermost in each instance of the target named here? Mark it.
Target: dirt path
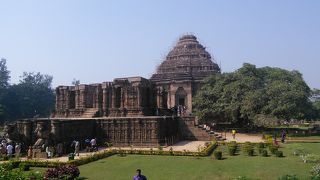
(254, 138)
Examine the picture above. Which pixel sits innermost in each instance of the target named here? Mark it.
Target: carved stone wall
(121, 131)
(123, 97)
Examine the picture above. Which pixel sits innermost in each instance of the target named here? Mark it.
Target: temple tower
(182, 73)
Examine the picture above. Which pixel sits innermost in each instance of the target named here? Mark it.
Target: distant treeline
(33, 96)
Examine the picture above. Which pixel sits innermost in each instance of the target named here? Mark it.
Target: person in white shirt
(9, 150)
(17, 150)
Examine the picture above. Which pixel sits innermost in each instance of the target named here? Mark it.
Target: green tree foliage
(253, 95)
(4, 83)
(33, 96)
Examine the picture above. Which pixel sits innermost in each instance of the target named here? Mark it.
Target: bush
(232, 151)
(288, 177)
(250, 152)
(24, 167)
(279, 154)
(273, 149)
(218, 155)
(310, 158)
(264, 153)
(315, 172)
(260, 145)
(68, 172)
(248, 149)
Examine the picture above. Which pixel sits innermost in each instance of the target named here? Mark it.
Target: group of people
(90, 145)
(10, 149)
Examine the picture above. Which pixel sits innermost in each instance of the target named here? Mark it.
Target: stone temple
(128, 111)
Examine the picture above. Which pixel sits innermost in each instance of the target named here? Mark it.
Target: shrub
(264, 153)
(279, 154)
(260, 145)
(218, 155)
(68, 172)
(288, 177)
(250, 152)
(315, 172)
(248, 149)
(310, 158)
(299, 151)
(232, 151)
(24, 167)
(260, 150)
(273, 149)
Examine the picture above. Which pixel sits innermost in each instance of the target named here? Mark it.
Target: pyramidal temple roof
(188, 60)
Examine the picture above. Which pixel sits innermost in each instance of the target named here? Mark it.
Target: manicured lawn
(172, 167)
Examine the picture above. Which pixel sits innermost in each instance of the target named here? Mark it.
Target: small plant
(232, 151)
(264, 153)
(217, 155)
(288, 177)
(315, 172)
(171, 151)
(24, 167)
(273, 149)
(63, 172)
(279, 154)
(250, 152)
(261, 145)
(299, 151)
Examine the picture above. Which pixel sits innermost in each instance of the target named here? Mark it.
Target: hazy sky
(97, 41)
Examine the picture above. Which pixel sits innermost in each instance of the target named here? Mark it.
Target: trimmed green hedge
(104, 154)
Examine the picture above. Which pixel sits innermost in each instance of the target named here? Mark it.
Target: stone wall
(134, 96)
(121, 131)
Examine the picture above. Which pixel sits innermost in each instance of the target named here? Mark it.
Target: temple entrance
(181, 97)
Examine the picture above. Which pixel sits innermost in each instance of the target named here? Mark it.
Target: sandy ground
(254, 138)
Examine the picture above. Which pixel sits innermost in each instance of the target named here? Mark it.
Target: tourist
(30, 152)
(275, 142)
(87, 143)
(234, 134)
(139, 176)
(48, 152)
(76, 148)
(59, 149)
(283, 136)
(17, 150)
(93, 143)
(9, 150)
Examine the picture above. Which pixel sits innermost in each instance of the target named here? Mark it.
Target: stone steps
(89, 113)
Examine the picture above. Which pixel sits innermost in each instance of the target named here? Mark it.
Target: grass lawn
(173, 167)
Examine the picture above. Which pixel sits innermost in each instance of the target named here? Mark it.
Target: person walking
(93, 143)
(139, 176)
(76, 148)
(233, 134)
(17, 150)
(30, 152)
(9, 150)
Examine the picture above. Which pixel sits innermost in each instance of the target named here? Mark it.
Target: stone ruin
(128, 111)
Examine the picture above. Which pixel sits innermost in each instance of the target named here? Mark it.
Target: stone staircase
(192, 131)
(89, 113)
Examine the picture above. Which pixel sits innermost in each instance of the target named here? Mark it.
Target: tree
(75, 82)
(4, 74)
(33, 96)
(253, 95)
(4, 84)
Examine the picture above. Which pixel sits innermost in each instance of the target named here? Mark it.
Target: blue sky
(96, 41)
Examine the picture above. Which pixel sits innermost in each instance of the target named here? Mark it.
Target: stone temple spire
(188, 60)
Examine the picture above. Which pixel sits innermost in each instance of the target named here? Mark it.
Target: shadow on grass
(82, 178)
